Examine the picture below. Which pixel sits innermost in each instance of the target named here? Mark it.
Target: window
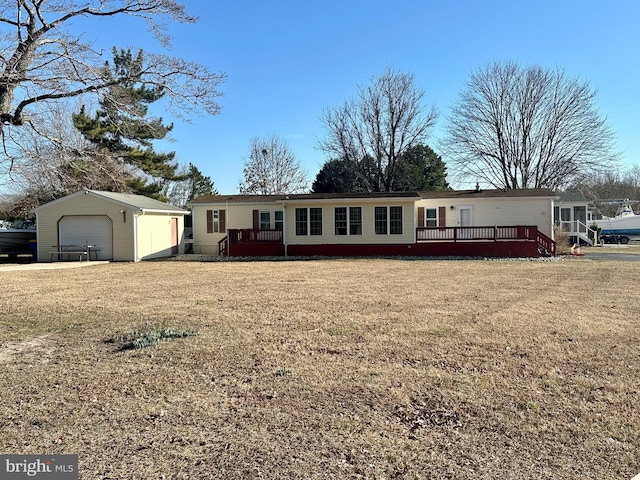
(341, 220)
(395, 220)
(308, 221)
(381, 220)
(431, 217)
(355, 220)
(265, 220)
(348, 220)
(216, 221)
(213, 221)
(301, 221)
(388, 220)
(279, 220)
(315, 216)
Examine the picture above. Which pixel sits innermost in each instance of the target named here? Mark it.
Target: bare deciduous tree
(272, 169)
(42, 61)
(610, 185)
(515, 127)
(380, 124)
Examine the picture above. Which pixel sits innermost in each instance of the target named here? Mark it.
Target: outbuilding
(108, 226)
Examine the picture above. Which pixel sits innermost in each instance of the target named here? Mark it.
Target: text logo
(46, 467)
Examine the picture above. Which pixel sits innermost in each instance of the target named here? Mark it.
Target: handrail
(577, 226)
(222, 247)
(548, 245)
(495, 233)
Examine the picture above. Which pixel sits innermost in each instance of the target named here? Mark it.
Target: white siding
(489, 212)
(368, 236)
(155, 235)
(237, 216)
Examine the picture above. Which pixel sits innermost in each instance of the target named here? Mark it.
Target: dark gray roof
(495, 193)
(450, 194)
(571, 197)
(300, 196)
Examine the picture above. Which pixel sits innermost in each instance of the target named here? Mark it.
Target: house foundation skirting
(513, 248)
(256, 250)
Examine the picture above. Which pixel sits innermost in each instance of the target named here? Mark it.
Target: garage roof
(136, 202)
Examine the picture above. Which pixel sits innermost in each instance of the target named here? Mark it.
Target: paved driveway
(615, 253)
(12, 267)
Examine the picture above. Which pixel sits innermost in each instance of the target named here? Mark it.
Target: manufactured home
(495, 223)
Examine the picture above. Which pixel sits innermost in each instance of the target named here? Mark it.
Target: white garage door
(88, 230)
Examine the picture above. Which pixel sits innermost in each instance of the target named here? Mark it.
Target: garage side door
(88, 230)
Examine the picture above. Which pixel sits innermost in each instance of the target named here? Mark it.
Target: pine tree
(121, 130)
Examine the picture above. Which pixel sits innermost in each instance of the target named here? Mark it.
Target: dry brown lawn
(371, 368)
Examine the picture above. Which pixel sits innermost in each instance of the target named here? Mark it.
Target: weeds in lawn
(138, 339)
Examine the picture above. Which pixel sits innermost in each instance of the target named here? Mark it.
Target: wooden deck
(503, 241)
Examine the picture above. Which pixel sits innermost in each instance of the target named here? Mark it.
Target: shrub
(563, 242)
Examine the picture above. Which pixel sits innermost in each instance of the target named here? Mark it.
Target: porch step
(585, 238)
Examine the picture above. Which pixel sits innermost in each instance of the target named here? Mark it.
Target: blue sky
(287, 61)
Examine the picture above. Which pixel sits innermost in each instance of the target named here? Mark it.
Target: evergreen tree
(121, 130)
(341, 176)
(199, 184)
(420, 169)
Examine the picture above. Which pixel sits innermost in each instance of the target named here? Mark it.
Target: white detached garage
(117, 226)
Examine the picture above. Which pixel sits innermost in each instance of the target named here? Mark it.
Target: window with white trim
(355, 220)
(213, 221)
(388, 220)
(430, 217)
(380, 220)
(265, 220)
(308, 221)
(348, 221)
(302, 227)
(315, 221)
(340, 220)
(279, 220)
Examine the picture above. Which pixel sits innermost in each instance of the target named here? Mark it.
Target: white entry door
(465, 219)
(88, 230)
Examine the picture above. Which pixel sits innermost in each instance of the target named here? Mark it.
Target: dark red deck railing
(496, 234)
(248, 235)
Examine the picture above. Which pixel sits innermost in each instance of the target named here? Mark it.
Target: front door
(465, 219)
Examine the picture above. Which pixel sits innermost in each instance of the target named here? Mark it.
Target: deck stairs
(581, 232)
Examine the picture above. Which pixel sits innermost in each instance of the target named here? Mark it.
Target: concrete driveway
(12, 267)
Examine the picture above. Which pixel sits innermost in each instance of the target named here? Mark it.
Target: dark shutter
(209, 221)
(442, 216)
(420, 217)
(223, 222)
(256, 220)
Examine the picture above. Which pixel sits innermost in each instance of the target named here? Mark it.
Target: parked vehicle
(15, 237)
(622, 227)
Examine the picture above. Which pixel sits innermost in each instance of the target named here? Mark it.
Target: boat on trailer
(623, 226)
(15, 237)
